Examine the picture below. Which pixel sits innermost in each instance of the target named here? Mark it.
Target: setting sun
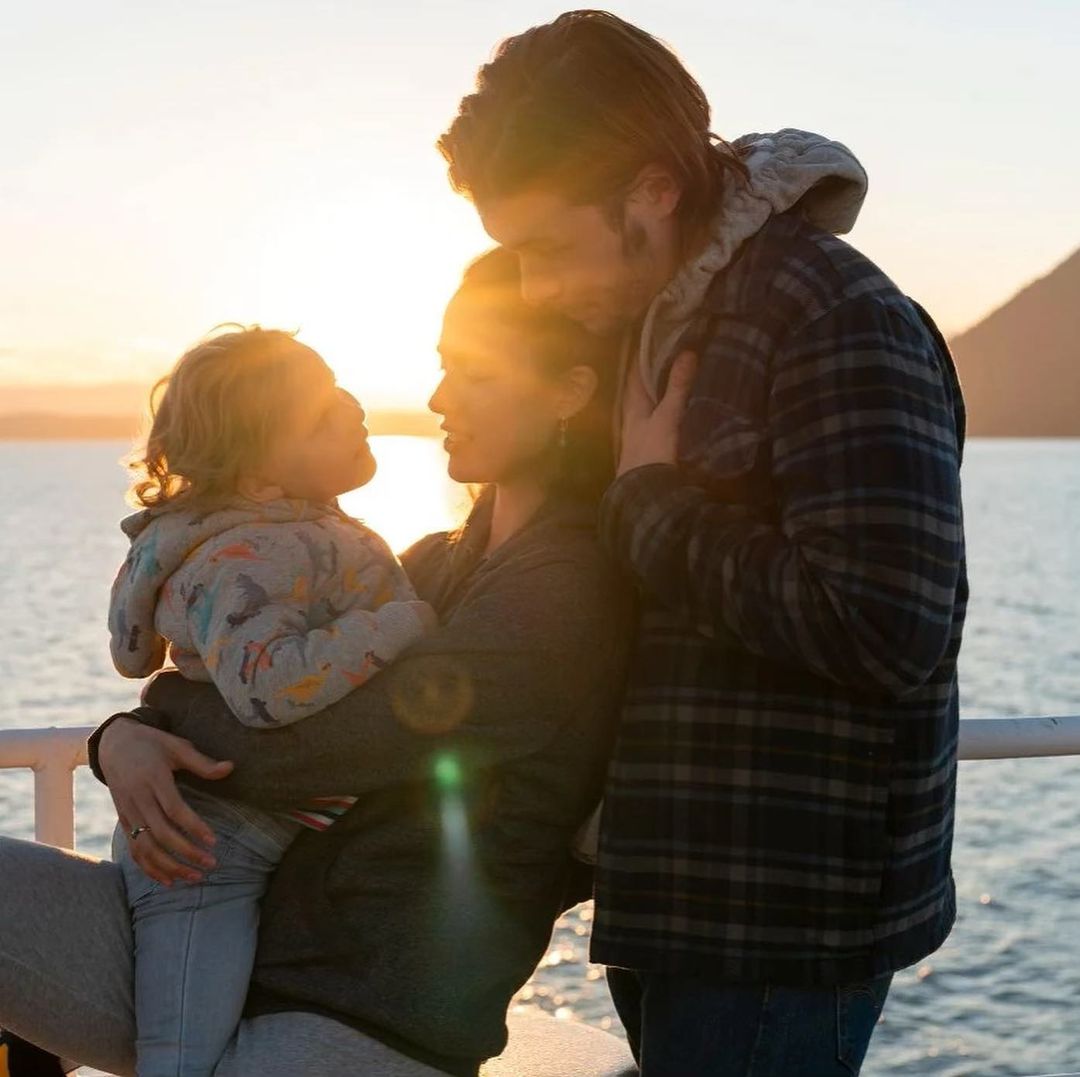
(356, 282)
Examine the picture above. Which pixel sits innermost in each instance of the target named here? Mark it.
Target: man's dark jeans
(689, 1026)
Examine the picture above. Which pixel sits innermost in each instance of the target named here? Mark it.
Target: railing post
(52, 754)
(61, 751)
(54, 804)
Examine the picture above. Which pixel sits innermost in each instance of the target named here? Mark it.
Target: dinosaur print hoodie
(285, 606)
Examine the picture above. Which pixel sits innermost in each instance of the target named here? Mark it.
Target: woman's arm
(536, 644)
(495, 682)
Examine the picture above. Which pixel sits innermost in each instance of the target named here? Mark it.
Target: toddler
(243, 568)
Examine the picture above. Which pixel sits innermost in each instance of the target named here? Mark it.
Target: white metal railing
(54, 753)
(1018, 738)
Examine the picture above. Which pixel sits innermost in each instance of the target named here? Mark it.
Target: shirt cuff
(145, 715)
(94, 741)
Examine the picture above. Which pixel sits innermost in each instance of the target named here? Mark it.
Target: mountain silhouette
(1020, 366)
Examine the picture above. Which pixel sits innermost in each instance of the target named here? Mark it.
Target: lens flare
(447, 772)
(437, 696)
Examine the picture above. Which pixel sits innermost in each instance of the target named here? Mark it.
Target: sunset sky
(166, 167)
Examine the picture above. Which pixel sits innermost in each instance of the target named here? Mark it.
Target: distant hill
(1020, 366)
(101, 399)
(36, 426)
(113, 412)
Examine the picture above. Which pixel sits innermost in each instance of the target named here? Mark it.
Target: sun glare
(367, 289)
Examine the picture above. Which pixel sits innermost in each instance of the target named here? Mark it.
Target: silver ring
(136, 831)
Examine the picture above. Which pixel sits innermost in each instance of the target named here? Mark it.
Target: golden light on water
(411, 494)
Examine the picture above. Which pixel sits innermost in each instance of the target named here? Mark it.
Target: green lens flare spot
(447, 772)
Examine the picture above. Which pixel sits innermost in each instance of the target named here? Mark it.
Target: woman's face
(500, 413)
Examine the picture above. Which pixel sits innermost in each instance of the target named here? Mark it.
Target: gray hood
(787, 169)
(161, 540)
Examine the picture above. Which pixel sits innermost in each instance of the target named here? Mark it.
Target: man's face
(577, 261)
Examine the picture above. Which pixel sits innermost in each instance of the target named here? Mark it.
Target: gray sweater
(475, 757)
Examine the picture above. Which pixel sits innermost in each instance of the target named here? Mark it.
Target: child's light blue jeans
(195, 942)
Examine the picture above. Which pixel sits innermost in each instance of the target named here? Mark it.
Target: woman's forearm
(493, 683)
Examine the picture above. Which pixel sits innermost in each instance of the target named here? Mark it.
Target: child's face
(322, 450)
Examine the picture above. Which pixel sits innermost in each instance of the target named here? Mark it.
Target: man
(777, 829)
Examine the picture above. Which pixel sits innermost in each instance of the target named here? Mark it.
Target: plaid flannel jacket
(780, 801)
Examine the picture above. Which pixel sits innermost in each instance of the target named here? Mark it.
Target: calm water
(1002, 997)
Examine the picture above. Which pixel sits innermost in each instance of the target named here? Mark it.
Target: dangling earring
(563, 423)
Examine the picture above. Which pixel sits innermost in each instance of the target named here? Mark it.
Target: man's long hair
(578, 107)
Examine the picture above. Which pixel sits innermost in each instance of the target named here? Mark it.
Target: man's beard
(636, 290)
(623, 304)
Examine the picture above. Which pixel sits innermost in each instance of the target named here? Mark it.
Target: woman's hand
(138, 763)
(650, 433)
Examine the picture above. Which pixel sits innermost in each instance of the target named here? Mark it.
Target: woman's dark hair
(555, 345)
(579, 106)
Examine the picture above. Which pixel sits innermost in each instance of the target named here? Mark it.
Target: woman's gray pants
(66, 980)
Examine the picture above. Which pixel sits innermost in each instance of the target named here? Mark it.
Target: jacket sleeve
(495, 682)
(252, 633)
(855, 581)
(136, 648)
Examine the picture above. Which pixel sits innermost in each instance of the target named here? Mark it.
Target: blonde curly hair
(214, 416)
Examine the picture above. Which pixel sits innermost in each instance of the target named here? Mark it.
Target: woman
(393, 942)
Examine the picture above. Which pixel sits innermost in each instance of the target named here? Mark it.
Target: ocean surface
(1002, 997)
